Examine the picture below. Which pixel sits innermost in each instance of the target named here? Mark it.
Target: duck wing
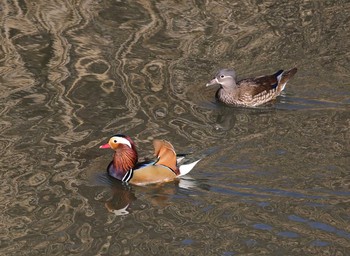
(265, 86)
(166, 155)
(255, 86)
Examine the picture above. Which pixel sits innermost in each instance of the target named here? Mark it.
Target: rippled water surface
(273, 180)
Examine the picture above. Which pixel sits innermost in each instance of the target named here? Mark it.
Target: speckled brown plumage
(250, 92)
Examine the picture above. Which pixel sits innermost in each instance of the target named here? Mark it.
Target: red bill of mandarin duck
(125, 165)
(250, 92)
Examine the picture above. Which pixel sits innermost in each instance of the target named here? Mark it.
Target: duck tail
(283, 77)
(186, 168)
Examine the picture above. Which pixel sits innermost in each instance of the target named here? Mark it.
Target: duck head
(118, 140)
(225, 78)
(125, 155)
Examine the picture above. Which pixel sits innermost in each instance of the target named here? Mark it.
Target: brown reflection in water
(74, 72)
(123, 195)
(121, 200)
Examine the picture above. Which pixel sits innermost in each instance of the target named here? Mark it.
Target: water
(273, 180)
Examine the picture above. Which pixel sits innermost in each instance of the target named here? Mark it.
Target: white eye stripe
(121, 141)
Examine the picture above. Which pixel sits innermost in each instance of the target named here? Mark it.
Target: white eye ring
(222, 76)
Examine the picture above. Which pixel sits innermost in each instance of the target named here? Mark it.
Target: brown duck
(250, 92)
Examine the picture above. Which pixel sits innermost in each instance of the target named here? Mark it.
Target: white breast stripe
(128, 176)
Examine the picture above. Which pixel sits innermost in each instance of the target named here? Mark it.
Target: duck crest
(124, 159)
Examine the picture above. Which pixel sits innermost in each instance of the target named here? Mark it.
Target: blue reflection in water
(319, 243)
(320, 226)
(288, 234)
(296, 218)
(290, 193)
(263, 204)
(187, 241)
(237, 193)
(262, 226)
(264, 190)
(228, 254)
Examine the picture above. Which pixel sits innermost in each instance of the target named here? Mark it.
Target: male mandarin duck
(125, 165)
(250, 92)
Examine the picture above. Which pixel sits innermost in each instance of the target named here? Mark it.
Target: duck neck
(124, 159)
(228, 89)
(227, 93)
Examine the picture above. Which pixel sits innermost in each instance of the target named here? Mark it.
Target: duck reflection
(122, 197)
(228, 117)
(123, 194)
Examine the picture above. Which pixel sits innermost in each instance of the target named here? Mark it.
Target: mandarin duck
(250, 92)
(125, 165)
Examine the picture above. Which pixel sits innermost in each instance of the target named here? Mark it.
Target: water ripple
(273, 180)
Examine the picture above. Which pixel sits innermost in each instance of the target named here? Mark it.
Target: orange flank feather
(166, 154)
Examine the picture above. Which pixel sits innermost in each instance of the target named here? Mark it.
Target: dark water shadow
(123, 195)
(299, 103)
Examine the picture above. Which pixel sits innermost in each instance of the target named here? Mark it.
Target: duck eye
(222, 76)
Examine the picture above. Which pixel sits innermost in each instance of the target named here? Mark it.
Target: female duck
(250, 92)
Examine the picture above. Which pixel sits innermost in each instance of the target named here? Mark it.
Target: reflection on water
(274, 180)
